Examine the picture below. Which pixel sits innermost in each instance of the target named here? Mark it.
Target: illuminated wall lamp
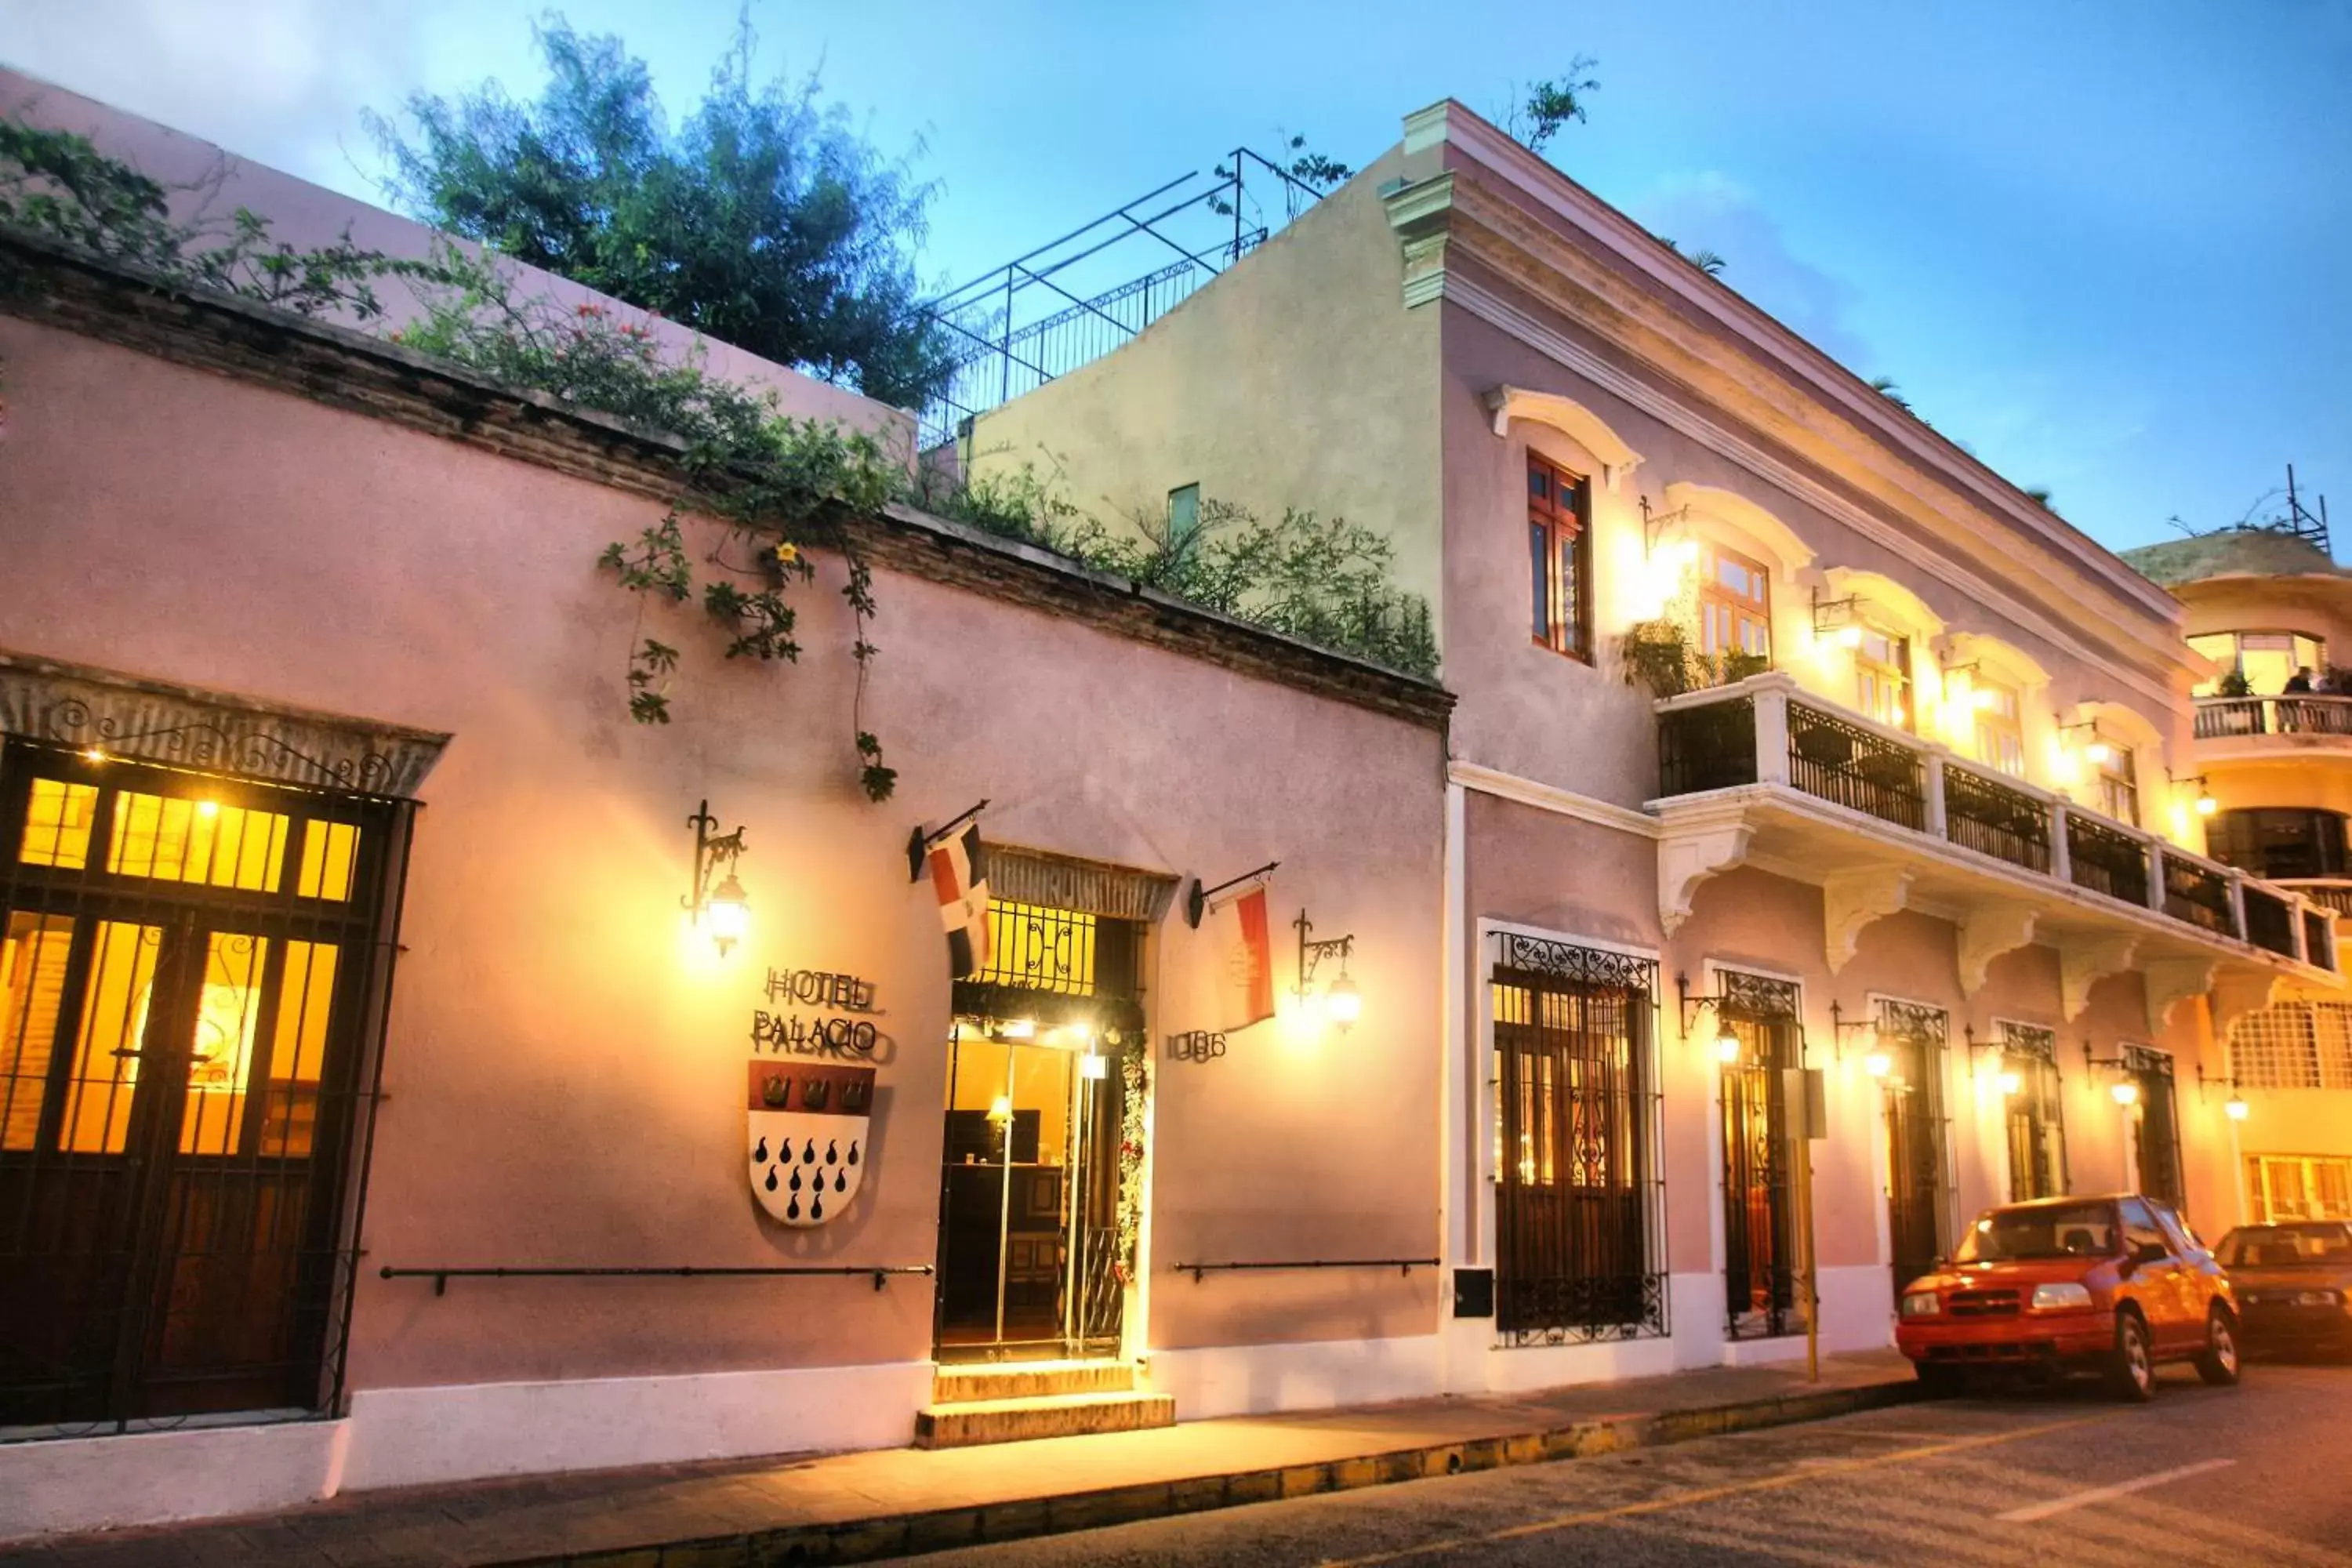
(1342, 1003)
(2235, 1108)
(1876, 1060)
(2007, 1078)
(1728, 1048)
(2098, 751)
(723, 910)
(2205, 804)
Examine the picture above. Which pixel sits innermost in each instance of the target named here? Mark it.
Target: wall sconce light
(1980, 697)
(1342, 1003)
(1653, 528)
(2235, 1108)
(1094, 1064)
(2011, 1080)
(2205, 804)
(2098, 751)
(1838, 619)
(723, 909)
(1876, 1060)
(2124, 1090)
(1728, 1048)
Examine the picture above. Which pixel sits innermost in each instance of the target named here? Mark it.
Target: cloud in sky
(1710, 211)
(278, 81)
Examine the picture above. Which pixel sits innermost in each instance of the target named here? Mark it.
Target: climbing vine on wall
(1135, 1110)
(775, 486)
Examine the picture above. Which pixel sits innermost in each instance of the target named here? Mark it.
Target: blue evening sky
(2105, 245)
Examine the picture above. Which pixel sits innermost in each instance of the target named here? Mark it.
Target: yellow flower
(787, 553)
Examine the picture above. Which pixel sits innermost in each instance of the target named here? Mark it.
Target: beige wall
(1295, 381)
(566, 1060)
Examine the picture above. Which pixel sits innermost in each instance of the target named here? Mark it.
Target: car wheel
(2218, 1363)
(1938, 1381)
(2131, 1373)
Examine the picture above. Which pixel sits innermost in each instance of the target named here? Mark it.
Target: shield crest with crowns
(808, 1138)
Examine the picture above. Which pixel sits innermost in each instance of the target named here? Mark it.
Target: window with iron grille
(1579, 1202)
(2281, 1187)
(2036, 1112)
(2293, 1045)
(1559, 558)
(2155, 1125)
(1760, 1252)
(1914, 1038)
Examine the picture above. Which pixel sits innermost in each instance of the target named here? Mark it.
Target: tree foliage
(762, 219)
(1548, 107)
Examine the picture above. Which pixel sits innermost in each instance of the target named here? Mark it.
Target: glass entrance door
(1028, 1195)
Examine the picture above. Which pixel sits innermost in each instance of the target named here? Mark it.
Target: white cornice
(1551, 799)
(1483, 302)
(1546, 189)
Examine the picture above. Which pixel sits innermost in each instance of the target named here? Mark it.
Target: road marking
(1710, 1494)
(2101, 1494)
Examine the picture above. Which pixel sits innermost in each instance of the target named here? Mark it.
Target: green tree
(762, 220)
(1548, 107)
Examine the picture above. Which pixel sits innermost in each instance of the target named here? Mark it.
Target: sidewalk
(853, 1508)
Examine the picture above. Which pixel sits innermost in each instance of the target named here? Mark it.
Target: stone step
(1030, 1380)
(970, 1424)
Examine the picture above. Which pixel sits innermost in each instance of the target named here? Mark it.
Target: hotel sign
(816, 1014)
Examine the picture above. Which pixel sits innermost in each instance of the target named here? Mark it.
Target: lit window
(1882, 671)
(1560, 559)
(176, 839)
(1734, 606)
(2001, 731)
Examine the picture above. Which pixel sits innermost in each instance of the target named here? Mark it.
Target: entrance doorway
(1915, 1039)
(1030, 1181)
(1760, 1278)
(185, 965)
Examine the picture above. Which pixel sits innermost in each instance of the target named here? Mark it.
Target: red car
(2111, 1285)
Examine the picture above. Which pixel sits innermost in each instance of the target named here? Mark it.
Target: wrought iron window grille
(1580, 1199)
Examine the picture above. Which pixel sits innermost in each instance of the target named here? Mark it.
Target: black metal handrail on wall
(441, 1276)
(1402, 1264)
(1993, 819)
(2105, 860)
(1857, 768)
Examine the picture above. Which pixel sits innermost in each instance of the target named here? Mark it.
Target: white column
(2156, 877)
(2062, 858)
(1934, 774)
(2237, 885)
(1772, 735)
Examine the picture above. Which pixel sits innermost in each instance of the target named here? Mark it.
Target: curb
(1022, 1518)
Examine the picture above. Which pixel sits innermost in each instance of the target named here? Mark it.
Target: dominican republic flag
(960, 877)
(1243, 955)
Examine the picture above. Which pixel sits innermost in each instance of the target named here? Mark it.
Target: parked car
(2293, 1283)
(2111, 1285)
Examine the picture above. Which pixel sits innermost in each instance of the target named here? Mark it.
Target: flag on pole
(1242, 953)
(960, 877)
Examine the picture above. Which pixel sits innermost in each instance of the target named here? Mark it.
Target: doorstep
(854, 1508)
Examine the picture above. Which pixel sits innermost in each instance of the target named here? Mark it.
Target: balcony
(2248, 728)
(1759, 773)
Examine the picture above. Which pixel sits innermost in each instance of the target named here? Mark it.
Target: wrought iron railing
(1712, 746)
(2106, 860)
(1761, 732)
(878, 1272)
(1993, 819)
(1402, 1264)
(2318, 939)
(2198, 895)
(1832, 760)
(2223, 718)
(1077, 299)
(2270, 922)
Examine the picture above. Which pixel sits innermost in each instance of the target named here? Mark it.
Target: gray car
(2293, 1284)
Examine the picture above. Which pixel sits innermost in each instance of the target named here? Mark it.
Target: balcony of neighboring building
(1763, 772)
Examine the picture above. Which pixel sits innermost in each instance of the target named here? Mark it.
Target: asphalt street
(2258, 1474)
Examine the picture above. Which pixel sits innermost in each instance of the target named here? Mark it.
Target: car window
(2140, 1228)
(2281, 1245)
(2056, 1230)
(2176, 1230)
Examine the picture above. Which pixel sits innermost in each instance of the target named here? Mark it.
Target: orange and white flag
(1241, 951)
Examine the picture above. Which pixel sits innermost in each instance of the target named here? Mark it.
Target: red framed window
(1559, 558)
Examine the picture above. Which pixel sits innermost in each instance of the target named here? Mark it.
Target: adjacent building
(2273, 612)
(1789, 735)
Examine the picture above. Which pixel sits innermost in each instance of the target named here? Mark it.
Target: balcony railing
(1760, 732)
(2106, 859)
(2332, 893)
(2224, 718)
(1984, 814)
